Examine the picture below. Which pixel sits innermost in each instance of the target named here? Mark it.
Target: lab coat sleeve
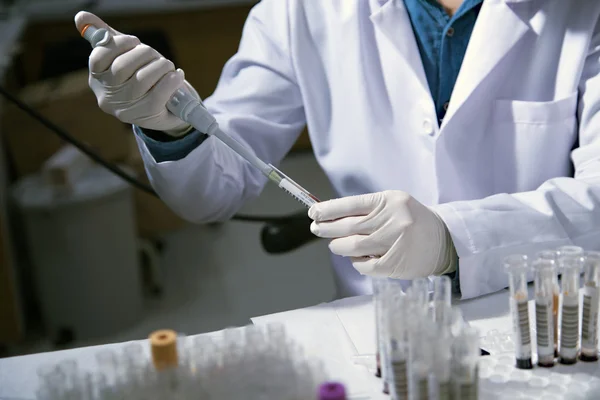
(561, 211)
(173, 150)
(256, 101)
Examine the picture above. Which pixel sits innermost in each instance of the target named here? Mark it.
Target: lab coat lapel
(499, 27)
(391, 18)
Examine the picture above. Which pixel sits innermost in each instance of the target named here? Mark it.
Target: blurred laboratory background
(85, 258)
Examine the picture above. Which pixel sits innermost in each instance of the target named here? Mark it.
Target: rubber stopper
(164, 348)
(332, 391)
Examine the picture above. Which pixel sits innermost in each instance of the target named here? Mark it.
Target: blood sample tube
(570, 264)
(517, 267)
(591, 299)
(378, 289)
(544, 284)
(553, 255)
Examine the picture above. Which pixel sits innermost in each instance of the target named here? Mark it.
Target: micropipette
(188, 108)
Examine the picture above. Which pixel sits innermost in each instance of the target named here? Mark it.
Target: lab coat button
(427, 127)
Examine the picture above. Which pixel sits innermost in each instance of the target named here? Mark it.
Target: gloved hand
(386, 234)
(132, 81)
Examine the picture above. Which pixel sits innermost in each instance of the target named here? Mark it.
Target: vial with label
(544, 281)
(591, 298)
(517, 267)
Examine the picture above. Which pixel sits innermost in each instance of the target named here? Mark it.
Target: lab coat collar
(391, 18)
(490, 42)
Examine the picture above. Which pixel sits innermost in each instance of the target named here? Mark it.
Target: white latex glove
(386, 234)
(132, 81)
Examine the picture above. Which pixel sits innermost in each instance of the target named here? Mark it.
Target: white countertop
(334, 332)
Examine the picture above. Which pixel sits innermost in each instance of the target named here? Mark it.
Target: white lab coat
(501, 169)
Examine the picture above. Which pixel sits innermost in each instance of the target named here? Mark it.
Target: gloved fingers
(344, 207)
(151, 107)
(357, 246)
(369, 266)
(102, 57)
(146, 77)
(127, 64)
(164, 89)
(84, 18)
(343, 227)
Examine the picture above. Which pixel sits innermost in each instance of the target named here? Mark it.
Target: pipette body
(188, 108)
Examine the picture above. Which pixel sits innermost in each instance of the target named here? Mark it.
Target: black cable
(87, 150)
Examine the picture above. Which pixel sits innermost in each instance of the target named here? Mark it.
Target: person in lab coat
(455, 133)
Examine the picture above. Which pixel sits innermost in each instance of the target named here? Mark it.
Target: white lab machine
(83, 251)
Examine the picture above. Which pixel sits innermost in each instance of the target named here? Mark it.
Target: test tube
(465, 355)
(442, 298)
(553, 255)
(390, 294)
(421, 357)
(442, 368)
(544, 284)
(591, 299)
(517, 267)
(399, 348)
(377, 299)
(570, 264)
(418, 293)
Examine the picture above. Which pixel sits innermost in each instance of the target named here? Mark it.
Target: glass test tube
(570, 265)
(442, 367)
(393, 303)
(421, 353)
(442, 298)
(398, 348)
(465, 355)
(553, 255)
(591, 299)
(377, 299)
(418, 293)
(517, 268)
(544, 281)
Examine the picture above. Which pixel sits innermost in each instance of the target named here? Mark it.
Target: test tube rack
(241, 363)
(425, 348)
(499, 378)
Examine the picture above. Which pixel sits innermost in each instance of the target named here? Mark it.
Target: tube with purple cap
(332, 391)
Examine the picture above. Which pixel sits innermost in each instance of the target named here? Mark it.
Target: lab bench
(336, 332)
